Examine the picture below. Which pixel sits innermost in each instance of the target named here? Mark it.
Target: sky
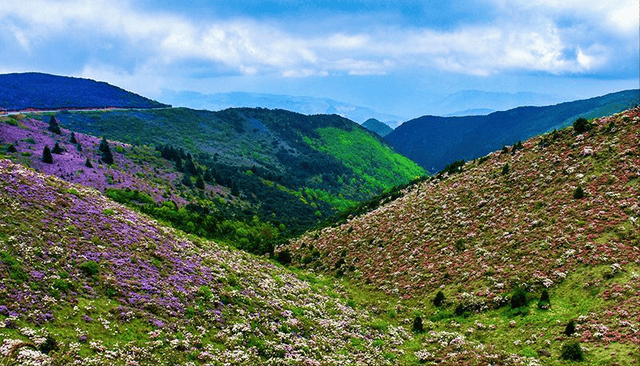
(398, 57)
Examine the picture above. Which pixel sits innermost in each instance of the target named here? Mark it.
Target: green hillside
(474, 250)
(86, 281)
(248, 176)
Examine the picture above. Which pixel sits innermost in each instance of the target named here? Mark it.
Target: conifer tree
(54, 126)
(107, 156)
(186, 180)
(46, 155)
(73, 138)
(88, 164)
(12, 149)
(199, 182)
(57, 149)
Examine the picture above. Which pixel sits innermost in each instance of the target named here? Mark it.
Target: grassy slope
(480, 234)
(356, 147)
(155, 295)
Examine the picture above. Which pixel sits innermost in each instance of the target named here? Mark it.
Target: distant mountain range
(477, 102)
(433, 142)
(44, 91)
(299, 104)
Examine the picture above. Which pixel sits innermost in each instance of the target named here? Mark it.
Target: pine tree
(54, 126)
(57, 149)
(570, 328)
(235, 191)
(73, 138)
(46, 155)
(199, 182)
(578, 193)
(544, 302)
(186, 180)
(439, 299)
(12, 149)
(189, 166)
(107, 156)
(88, 164)
(418, 327)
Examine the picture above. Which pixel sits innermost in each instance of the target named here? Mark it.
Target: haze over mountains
(300, 104)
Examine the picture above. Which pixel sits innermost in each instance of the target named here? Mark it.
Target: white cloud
(531, 41)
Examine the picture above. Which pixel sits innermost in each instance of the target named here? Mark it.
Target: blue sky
(395, 57)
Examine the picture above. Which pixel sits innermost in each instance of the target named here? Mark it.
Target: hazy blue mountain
(471, 112)
(477, 99)
(433, 142)
(44, 91)
(299, 104)
(378, 127)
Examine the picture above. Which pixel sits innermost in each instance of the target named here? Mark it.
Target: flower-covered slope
(511, 219)
(138, 170)
(84, 280)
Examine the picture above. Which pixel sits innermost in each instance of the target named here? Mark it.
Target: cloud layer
(118, 37)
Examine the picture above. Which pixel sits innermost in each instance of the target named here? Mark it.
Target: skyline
(400, 59)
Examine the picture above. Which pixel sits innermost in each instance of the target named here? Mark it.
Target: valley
(157, 235)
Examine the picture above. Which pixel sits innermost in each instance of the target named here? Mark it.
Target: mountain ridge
(433, 141)
(22, 91)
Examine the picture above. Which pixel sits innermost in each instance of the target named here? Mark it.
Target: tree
(107, 156)
(578, 193)
(73, 138)
(572, 352)
(54, 126)
(88, 164)
(12, 149)
(186, 180)
(57, 149)
(439, 299)
(570, 328)
(519, 298)
(544, 302)
(505, 169)
(199, 182)
(235, 191)
(581, 125)
(418, 327)
(46, 155)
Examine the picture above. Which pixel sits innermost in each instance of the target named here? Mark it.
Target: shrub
(284, 257)
(519, 298)
(12, 149)
(54, 126)
(417, 325)
(570, 328)
(105, 150)
(439, 299)
(544, 302)
(581, 125)
(48, 345)
(572, 352)
(46, 155)
(578, 193)
(57, 149)
(89, 268)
